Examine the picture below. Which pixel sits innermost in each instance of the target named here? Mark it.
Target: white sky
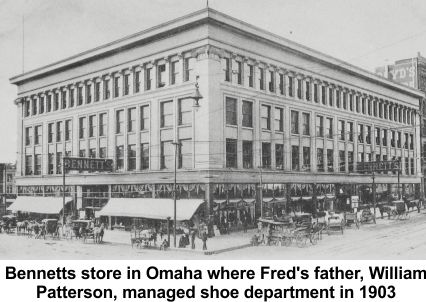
(366, 33)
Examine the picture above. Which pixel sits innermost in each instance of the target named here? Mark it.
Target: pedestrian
(204, 238)
(193, 239)
(244, 221)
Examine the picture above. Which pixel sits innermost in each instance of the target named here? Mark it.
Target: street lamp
(196, 96)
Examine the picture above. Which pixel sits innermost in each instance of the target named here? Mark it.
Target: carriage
(367, 216)
(8, 223)
(351, 219)
(399, 210)
(336, 223)
(143, 238)
(50, 227)
(78, 228)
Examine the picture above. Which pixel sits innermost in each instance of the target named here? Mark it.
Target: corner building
(273, 111)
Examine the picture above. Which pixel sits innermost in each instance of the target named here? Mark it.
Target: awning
(41, 205)
(152, 208)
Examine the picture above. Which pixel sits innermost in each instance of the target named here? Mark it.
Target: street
(388, 239)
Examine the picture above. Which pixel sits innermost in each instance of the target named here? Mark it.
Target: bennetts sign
(88, 164)
(379, 166)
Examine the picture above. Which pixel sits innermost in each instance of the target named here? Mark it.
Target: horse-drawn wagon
(8, 223)
(143, 238)
(335, 223)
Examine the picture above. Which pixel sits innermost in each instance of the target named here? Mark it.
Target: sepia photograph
(213, 129)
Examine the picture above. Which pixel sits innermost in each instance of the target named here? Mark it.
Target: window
(231, 111)
(411, 142)
(64, 99)
(97, 91)
(185, 154)
(299, 88)
(148, 78)
(377, 136)
(88, 93)
(271, 81)
(116, 87)
(174, 72)
(34, 107)
(161, 75)
(28, 136)
(316, 98)
(185, 111)
(37, 135)
(393, 138)
(227, 69)
(188, 65)
(247, 154)
(261, 78)
(231, 153)
(79, 96)
(119, 121)
(265, 118)
(131, 119)
(92, 126)
(102, 124)
(341, 130)
(279, 156)
(102, 152)
(82, 127)
(281, 84)
(92, 152)
(320, 126)
(166, 114)
(107, 89)
(330, 96)
(345, 101)
(167, 155)
(351, 102)
(27, 108)
(350, 126)
(239, 73)
(266, 155)
(294, 122)
(37, 164)
(137, 79)
(144, 156)
(49, 103)
(342, 161)
(58, 131)
(28, 164)
(363, 105)
(369, 107)
(290, 86)
(295, 158)
(58, 162)
(350, 161)
(131, 157)
(82, 152)
(251, 75)
(407, 166)
(384, 137)
(399, 140)
(247, 111)
(72, 97)
(320, 160)
(126, 84)
(329, 127)
(41, 105)
(279, 119)
(338, 98)
(360, 133)
(145, 117)
(119, 157)
(306, 129)
(56, 100)
(330, 160)
(50, 133)
(368, 134)
(50, 163)
(323, 95)
(405, 140)
(306, 159)
(308, 91)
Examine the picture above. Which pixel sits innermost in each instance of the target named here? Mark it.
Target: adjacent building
(7, 185)
(273, 112)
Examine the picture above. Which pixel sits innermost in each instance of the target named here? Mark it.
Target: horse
(413, 204)
(98, 233)
(21, 225)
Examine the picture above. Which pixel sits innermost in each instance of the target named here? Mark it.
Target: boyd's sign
(88, 164)
(379, 166)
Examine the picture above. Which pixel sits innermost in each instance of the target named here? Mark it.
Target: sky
(365, 33)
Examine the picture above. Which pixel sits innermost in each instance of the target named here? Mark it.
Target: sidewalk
(216, 244)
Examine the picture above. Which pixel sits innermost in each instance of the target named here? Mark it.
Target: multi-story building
(272, 109)
(7, 185)
(411, 72)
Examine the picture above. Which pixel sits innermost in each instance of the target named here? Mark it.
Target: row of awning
(150, 208)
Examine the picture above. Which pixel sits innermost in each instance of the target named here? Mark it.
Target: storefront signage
(379, 166)
(88, 164)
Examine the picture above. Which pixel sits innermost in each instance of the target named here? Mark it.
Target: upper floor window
(131, 119)
(360, 133)
(58, 131)
(82, 127)
(231, 153)
(368, 134)
(145, 117)
(330, 96)
(239, 72)
(107, 89)
(27, 105)
(68, 126)
(41, 105)
(28, 136)
(72, 97)
(299, 88)
(188, 65)
(116, 87)
(384, 137)
(345, 101)
(185, 111)
(307, 91)
(271, 81)
(279, 119)
(316, 98)
(247, 111)
(290, 86)
(338, 93)
(231, 111)
(88, 93)
(265, 117)
(350, 126)
(166, 111)
(341, 129)
(92, 125)
(137, 81)
(329, 127)
(49, 103)
(148, 78)
(119, 121)
(37, 135)
(174, 71)
(261, 78)
(320, 126)
(126, 84)
(251, 75)
(281, 84)
(102, 124)
(50, 133)
(294, 122)
(56, 101)
(227, 69)
(63, 99)
(323, 95)
(161, 75)
(79, 95)
(306, 128)
(97, 91)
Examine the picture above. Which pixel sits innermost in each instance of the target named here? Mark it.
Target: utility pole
(177, 145)
(374, 195)
(261, 191)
